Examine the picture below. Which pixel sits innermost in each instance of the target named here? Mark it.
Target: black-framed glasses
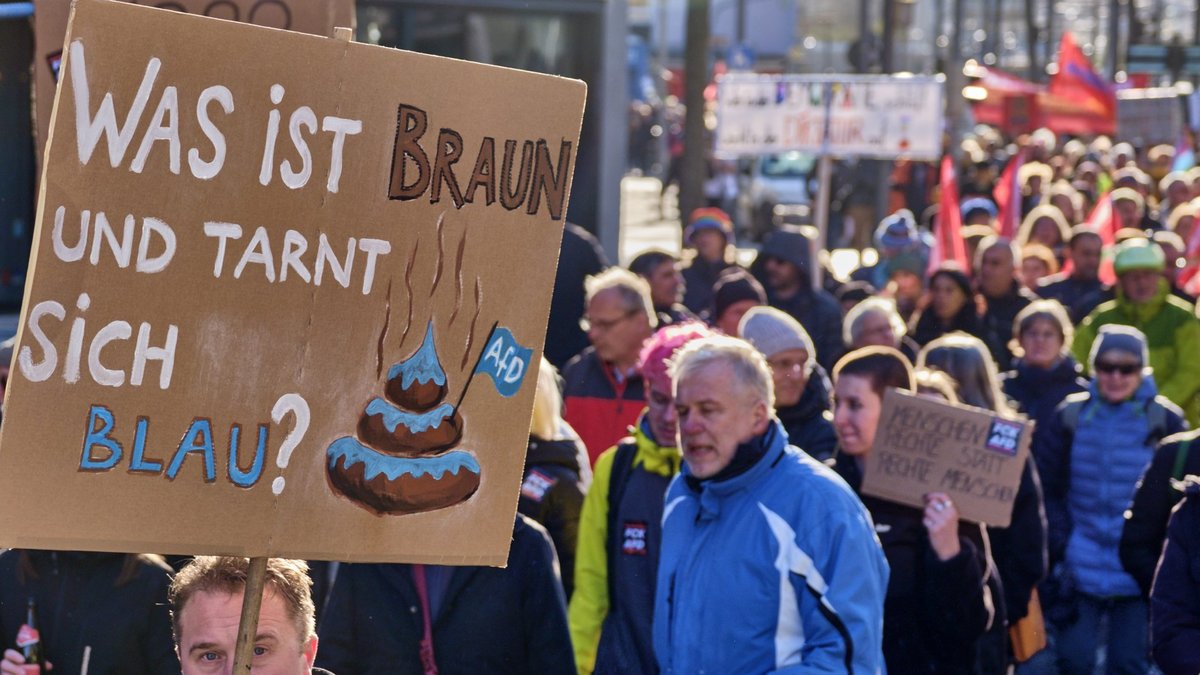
(1122, 368)
(586, 324)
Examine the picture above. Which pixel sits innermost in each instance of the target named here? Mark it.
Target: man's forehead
(999, 249)
(217, 608)
(697, 391)
(606, 296)
(207, 613)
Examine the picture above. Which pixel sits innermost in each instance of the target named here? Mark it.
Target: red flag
(1103, 222)
(1189, 278)
(1007, 195)
(948, 245)
(1077, 80)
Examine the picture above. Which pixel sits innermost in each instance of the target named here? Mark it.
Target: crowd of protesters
(692, 499)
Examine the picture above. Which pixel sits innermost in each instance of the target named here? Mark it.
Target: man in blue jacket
(769, 561)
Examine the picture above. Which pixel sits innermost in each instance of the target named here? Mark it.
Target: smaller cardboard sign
(925, 445)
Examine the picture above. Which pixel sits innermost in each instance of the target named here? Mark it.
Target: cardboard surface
(866, 115)
(314, 281)
(924, 445)
(317, 17)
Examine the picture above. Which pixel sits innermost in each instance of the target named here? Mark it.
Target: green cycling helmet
(1138, 254)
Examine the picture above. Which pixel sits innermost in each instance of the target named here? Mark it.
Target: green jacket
(589, 603)
(1173, 333)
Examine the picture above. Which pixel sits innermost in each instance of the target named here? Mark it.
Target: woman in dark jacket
(1019, 550)
(556, 473)
(1045, 372)
(108, 609)
(937, 603)
(950, 307)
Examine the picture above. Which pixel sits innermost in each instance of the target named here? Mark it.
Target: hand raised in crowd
(13, 663)
(941, 521)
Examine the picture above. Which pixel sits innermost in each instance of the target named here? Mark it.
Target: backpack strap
(618, 479)
(1070, 415)
(1156, 422)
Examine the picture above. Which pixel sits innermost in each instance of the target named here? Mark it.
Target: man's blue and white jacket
(776, 569)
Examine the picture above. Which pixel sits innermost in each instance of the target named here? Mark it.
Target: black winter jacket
(1146, 519)
(699, 277)
(926, 327)
(821, 316)
(580, 255)
(79, 606)
(552, 494)
(935, 611)
(490, 620)
(998, 321)
(808, 426)
(1038, 391)
(1175, 599)
(1021, 550)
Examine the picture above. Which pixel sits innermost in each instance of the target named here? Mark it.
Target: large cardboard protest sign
(924, 445)
(842, 115)
(286, 296)
(318, 17)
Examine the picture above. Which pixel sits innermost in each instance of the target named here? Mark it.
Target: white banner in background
(870, 116)
(1148, 117)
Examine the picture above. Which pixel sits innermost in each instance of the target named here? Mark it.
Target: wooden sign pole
(243, 656)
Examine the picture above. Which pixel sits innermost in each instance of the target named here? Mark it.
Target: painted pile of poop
(402, 459)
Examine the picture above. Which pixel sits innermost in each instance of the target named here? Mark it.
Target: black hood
(790, 244)
(564, 452)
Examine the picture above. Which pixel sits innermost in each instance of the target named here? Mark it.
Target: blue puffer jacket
(776, 569)
(1111, 450)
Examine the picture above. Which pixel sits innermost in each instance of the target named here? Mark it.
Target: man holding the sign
(206, 604)
(759, 536)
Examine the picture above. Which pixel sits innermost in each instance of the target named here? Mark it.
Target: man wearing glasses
(602, 391)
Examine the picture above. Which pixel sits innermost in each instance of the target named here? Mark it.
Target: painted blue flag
(506, 361)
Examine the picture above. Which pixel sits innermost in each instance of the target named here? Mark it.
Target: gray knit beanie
(1115, 337)
(772, 331)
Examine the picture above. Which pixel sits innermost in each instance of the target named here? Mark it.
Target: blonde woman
(557, 473)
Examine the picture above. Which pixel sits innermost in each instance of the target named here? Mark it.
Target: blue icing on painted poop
(414, 422)
(421, 367)
(351, 452)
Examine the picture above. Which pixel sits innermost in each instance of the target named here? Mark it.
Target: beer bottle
(29, 640)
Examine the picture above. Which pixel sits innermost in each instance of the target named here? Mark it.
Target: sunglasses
(1122, 368)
